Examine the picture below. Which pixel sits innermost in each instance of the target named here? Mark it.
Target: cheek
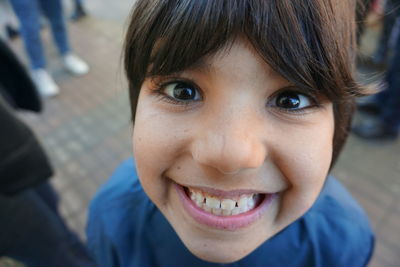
(307, 149)
(147, 145)
(151, 136)
(309, 157)
(156, 147)
(150, 153)
(305, 165)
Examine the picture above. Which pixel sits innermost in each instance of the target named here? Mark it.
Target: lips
(224, 210)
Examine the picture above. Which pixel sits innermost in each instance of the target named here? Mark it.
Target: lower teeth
(222, 212)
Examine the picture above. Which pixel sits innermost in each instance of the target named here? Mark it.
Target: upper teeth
(225, 206)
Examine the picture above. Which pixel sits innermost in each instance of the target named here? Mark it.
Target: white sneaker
(75, 65)
(44, 83)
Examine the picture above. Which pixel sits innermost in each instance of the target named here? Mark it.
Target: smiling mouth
(225, 210)
(224, 206)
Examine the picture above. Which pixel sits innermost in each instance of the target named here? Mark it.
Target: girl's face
(230, 152)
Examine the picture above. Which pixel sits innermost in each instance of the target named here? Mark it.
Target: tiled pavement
(86, 131)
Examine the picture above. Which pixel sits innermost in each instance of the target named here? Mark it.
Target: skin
(231, 136)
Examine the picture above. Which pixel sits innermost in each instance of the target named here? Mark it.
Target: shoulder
(111, 210)
(338, 228)
(114, 224)
(337, 206)
(335, 232)
(123, 184)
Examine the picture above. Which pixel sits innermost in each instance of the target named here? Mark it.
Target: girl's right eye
(181, 92)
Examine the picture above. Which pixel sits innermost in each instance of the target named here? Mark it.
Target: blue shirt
(126, 229)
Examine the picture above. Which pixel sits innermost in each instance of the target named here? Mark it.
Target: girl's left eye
(292, 101)
(181, 92)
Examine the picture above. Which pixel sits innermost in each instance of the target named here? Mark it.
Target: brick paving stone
(385, 256)
(61, 178)
(79, 220)
(73, 200)
(389, 230)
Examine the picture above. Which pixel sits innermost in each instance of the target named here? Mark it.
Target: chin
(215, 256)
(220, 251)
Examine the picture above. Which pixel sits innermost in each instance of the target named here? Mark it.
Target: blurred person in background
(389, 21)
(10, 31)
(28, 13)
(79, 10)
(362, 11)
(384, 107)
(32, 231)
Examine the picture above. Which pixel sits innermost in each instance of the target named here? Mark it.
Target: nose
(230, 146)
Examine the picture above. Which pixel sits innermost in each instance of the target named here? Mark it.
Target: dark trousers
(32, 231)
(389, 99)
(392, 12)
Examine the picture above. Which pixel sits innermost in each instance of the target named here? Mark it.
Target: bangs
(307, 42)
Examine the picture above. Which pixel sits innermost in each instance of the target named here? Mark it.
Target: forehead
(234, 59)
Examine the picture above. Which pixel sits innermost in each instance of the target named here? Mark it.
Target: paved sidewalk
(86, 129)
(87, 133)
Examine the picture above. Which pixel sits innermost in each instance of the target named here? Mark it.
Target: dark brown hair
(309, 42)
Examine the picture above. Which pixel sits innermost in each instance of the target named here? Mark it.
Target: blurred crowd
(382, 110)
(30, 14)
(32, 229)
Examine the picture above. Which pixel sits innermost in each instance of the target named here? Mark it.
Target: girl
(240, 110)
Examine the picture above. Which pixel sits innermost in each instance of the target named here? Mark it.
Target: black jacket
(23, 163)
(17, 87)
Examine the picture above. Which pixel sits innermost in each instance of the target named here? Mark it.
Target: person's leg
(386, 125)
(54, 12)
(362, 9)
(78, 4)
(373, 105)
(72, 63)
(388, 22)
(79, 10)
(11, 31)
(33, 234)
(28, 12)
(391, 109)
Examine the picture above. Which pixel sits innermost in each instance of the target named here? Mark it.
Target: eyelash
(315, 102)
(159, 90)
